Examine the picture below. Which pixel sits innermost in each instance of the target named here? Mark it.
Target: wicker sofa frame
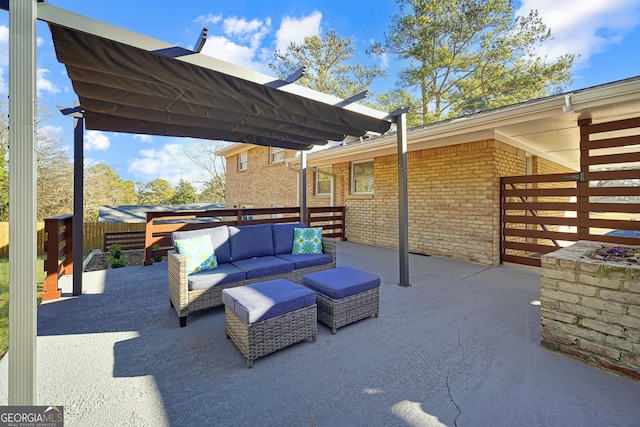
(186, 301)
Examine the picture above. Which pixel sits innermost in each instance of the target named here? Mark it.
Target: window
(242, 162)
(323, 182)
(276, 154)
(362, 177)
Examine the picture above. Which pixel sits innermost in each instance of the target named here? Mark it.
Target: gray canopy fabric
(124, 88)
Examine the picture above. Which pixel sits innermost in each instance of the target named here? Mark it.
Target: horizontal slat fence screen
(541, 213)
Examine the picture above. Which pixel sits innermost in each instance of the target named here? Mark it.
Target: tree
(103, 186)
(54, 176)
(325, 60)
(53, 167)
(214, 192)
(467, 56)
(204, 156)
(184, 193)
(156, 192)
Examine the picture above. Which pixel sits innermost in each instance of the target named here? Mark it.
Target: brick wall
(591, 310)
(454, 206)
(454, 197)
(542, 166)
(264, 185)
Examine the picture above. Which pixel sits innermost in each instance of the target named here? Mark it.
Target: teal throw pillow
(199, 253)
(307, 240)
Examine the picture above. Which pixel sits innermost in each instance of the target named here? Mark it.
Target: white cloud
(242, 42)
(245, 42)
(4, 89)
(96, 140)
(208, 19)
(252, 31)
(225, 49)
(4, 46)
(51, 130)
(296, 29)
(144, 138)
(584, 27)
(43, 84)
(168, 162)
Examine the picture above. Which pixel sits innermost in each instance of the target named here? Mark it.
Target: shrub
(117, 258)
(158, 258)
(116, 251)
(118, 262)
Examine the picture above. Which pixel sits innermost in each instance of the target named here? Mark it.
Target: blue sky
(606, 35)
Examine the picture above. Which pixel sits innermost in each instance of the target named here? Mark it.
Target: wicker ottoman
(344, 295)
(265, 317)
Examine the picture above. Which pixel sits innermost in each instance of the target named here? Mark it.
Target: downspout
(297, 182)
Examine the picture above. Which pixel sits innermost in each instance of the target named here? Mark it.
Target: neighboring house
(138, 213)
(454, 170)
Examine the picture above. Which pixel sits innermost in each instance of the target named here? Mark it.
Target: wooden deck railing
(160, 225)
(59, 250)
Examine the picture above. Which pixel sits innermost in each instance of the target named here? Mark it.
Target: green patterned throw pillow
(199, 253)
(307, 240)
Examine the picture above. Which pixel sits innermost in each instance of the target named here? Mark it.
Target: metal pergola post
(403, 201)
(78, 198)
(22, 203)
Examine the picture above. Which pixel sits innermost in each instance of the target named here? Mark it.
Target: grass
(4, 299)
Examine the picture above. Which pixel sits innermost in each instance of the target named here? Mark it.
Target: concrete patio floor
(460, 347)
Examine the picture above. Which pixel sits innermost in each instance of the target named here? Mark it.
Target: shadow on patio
(460, 347)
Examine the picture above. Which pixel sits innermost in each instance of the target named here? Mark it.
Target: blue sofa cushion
(283, 237)
(249, 241)
(304, 260)
(260, 301)
(221, 275)
(219, 239)
(340, 282)
(263, 266)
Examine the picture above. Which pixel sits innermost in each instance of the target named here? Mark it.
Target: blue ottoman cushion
(340, 282)
(260, 301)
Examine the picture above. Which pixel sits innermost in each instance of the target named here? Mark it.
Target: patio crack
(455, 421)
(475, 274)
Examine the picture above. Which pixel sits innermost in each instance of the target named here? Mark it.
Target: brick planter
(591, 309)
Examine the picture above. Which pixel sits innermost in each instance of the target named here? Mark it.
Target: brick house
(454, 170)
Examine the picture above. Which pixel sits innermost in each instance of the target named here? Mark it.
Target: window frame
(277, 152)
(353, 178)
(327, 178)
(242, 162)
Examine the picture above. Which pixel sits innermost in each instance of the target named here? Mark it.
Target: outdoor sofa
(244, 255)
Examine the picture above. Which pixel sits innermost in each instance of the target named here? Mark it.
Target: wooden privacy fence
(541, 213)
(160, 225)
(4, 238)
(93, 235)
